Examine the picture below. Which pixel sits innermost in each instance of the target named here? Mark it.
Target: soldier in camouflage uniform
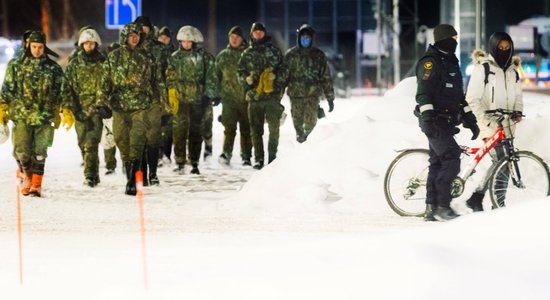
(306, 73)
(232, 94)
(189, 76)
(83, 77)
(165, 37)
(129, 85)
(160, 55)
(31, 98)
(257, 71)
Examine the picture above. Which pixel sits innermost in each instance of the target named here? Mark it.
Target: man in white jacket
(494, 84)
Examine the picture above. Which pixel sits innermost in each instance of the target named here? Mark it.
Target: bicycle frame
(479, 153)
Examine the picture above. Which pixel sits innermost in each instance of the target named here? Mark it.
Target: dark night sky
(25, 14)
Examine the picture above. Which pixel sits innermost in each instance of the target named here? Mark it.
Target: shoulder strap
(487, 69)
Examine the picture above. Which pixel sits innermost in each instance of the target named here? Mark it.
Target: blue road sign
(120, 12)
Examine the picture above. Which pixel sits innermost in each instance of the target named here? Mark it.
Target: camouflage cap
(37, 37)
(165, 31)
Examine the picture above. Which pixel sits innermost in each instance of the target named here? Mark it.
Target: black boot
(259, 165)
(475, 201)
(195, 169)
(429, 214)
(444, 214)
(152, 160)
(131, 168)
(144, 163)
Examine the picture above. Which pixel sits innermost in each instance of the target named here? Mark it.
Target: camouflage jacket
(160, 55)
(82, 81)
(191, 73)
(254, 60)
(306, 73)
(129, 80)
(229, 87)
(32, 88)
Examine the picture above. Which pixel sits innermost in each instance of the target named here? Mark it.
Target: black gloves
(330, 105)
(469, 121)
(104, 112)
(320, 113)
(427, 123)
(216, 101)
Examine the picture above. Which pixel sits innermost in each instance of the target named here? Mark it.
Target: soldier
(306, 73)
(31, 97)
(189, 76)
(83, 77)
(232, 94)
(128, 86)
(159, 54)
(165, 37)
(257, 68)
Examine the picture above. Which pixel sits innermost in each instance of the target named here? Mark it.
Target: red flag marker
(139, 187)
(19, 234)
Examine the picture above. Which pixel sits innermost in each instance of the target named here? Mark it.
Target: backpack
(486, 67)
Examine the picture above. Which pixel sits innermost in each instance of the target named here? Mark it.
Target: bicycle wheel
(405, 183)
(509, 185)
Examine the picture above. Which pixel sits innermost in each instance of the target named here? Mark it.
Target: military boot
(27, 181)
(131, 168)
(444, 214)
(475, 201)
(144, 163)
(152, 160)
(36, 185)
(429, 214)
(224, 159)
(259, 165)
(195, 169)
(207, 149)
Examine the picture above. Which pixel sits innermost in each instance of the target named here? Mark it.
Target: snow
(314, 224)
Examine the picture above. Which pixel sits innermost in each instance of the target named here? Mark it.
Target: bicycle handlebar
(502, 111)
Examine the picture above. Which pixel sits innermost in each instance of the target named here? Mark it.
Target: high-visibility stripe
(467, 109)
(426, 107)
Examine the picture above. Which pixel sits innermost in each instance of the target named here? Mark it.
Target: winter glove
(4, 114)
(216, 101)
(469, 121)
(67, 120)
(265, 86)
(320, 112)
(104, 112)
(164, 120)
(427, 123)
(330, 105)
(517, 116)
(174, 101)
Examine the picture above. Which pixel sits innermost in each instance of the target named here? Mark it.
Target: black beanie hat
(165, 31)
(143, 21)
(257, 26)
(444, 31)
(236, 30)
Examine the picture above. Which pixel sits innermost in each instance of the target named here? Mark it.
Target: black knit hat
(165, 31)
(236, 30)
(143, 21)
(257, 26)
(444, 31)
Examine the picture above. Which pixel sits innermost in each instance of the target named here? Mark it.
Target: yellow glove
(260, 87)
(4, 114)
(67, 120)
(174, 101)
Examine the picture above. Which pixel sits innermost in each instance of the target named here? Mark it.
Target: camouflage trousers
(130, 133)
(265, 111)
(232, 114)
(187, 126)
(166, 147)
(304, 116)
(154, 129)
(206, 128)
(89, 135)
(110, 158)
(30, 145)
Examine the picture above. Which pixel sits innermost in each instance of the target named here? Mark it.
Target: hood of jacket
(480, 56)
(129, 28)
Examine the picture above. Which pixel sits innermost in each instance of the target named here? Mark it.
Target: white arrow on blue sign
(120, 12)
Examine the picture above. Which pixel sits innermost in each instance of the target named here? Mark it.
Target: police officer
(441, 107)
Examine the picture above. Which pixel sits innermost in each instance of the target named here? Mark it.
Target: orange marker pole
(139, 187)
(18, 193)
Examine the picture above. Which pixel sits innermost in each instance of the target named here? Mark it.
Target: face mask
(305, 41)
(448, 45)
(503, 57)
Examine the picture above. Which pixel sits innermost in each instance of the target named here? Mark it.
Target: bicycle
(518, 175)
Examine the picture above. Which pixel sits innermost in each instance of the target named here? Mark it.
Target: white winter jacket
(503, 90)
